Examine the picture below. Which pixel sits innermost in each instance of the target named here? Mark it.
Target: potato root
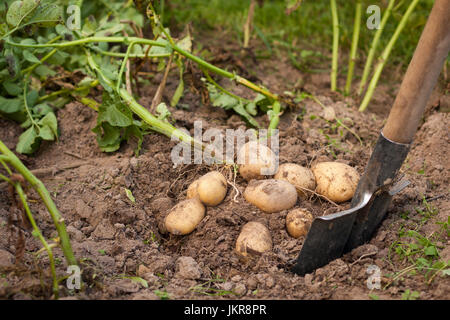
(300, 177)
(254, 239)
(271, 195)
(298, 222)
(256, 161)
(185, 217)
(336, 181)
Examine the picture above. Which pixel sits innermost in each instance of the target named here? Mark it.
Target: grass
(275, 26)
(420, 251)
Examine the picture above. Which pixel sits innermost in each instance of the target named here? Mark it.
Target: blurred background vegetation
(307, 27)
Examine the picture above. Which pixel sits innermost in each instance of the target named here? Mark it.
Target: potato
(300, 177)
(185, 216)
(271, 195)
(336, 181)
(254, 238)
(211, 188)
(192, 190)
(256, 161)
(298, 222)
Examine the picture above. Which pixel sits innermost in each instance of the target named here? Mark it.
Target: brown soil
(114, 237)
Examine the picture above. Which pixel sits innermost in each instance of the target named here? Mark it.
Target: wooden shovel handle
(421, 76)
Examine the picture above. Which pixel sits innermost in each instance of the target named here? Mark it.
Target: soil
(116, 239)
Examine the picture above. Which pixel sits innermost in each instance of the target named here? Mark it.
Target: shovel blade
(325, 242)
(331, 236)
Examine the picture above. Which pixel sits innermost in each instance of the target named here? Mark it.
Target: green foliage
(309, 25)
(420, 250)
(245, 108)
(115, 124)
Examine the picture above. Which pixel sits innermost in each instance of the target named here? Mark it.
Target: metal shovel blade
(332, 235)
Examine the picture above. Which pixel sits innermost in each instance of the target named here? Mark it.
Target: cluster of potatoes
(333, 180)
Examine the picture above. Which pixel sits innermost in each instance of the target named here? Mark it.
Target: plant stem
(351, 63)
(334, 63)
(276, 111)
(38, 234)
(374, 46)
(248, 23)
(156, 124)
(124, 63)
(174, 47)
(385, 55)
(46, 198)
(63, 91)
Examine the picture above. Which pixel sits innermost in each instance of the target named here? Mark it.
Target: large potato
(336, 181)
(300, 177)
(185, 217)
(254, 238)
(298, 222)
(211, 188)
(256, 161)
(271, 195)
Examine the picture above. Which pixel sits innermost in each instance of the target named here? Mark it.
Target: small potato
(254, 238)
(185, 217)
(298, 222)
(212, 188)
(300, 177)
(256, 161)
(271, 195)
(336, 181)
(192, 190)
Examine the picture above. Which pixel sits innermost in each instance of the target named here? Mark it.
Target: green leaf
(185, 43)
(51, 122)
(113, 111)
(28, 141)
(10, 105)
(47, 15)
(130, 195)
(163, 111)
(30, 57)
(239, 109)
(3, 29)
(43, 71)
(251, 108)
(12, 88)
(178, 93)
(156, 50)
(431, 251)
(20, 12)
(139, 280)
(108, 137)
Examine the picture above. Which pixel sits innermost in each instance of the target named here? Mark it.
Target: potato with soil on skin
(210, 188)
(336, 181)
(185, 217)
(256, 161)
(300, 177)
(271, 195)
(254, 238)
(298, 222)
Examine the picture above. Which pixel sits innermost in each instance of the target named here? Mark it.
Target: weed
(163, 295)
(207, 288)
(374, 296)
(422, 252)
(410, 295)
